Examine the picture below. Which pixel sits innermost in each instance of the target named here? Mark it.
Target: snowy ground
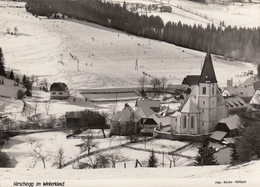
(97, 50)
(234, 14)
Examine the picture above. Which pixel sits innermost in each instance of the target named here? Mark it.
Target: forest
(231, 42)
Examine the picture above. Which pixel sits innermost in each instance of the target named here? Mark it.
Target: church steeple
(208, 74)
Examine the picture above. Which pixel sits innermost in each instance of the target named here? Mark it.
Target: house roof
(208, 72)
(256, 85)
(241, 91)
(125, 115)
(58, 86)
(191, 80)
(235, 102)
(144, 111)
(218, 135)
(191, 106)
(164, 120)
(256, 98)
(232, 122)
(74, 114)
(149, 103)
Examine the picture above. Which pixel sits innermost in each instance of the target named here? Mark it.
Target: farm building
(59, 91)
(86, 119)
(254, 104)
(244, 92)
(166, 9)
(152, 104)
(230, 125)
(120, 122)
(235, 104)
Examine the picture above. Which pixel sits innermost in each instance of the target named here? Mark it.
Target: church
(203, 107)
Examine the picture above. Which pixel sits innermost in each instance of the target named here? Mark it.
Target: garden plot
(159, 145)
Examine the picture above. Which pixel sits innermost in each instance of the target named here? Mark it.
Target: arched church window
(192, 122)
(184, 122)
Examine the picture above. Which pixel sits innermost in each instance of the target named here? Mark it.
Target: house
(204, 106)
(230, 125)
(235, 104)
(59, 91)
(86, 119)
(254, 104)
(74, 119)
(119, 122)
(166, 9)
(244, 92)
(152, 104)
(147, 121)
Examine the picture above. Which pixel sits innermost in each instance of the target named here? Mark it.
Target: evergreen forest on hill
(231, 42)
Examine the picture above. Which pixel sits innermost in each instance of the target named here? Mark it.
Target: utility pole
(136, 65)
(78, 64)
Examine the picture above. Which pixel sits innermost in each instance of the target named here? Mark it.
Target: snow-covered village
(129, 93)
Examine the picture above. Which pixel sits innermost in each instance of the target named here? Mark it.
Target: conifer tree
(205, 155)
(11, 75)
(2, 65)
(152, 162)
(234, 155)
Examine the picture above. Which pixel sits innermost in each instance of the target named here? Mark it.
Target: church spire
(207, 73)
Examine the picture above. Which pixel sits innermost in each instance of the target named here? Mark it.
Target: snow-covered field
(106, 57)
(234, 14)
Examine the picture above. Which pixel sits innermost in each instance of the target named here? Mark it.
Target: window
(204, 90)
(184, 122)
(213, 89)
(60, 93)
(192, 122)
(53, 93)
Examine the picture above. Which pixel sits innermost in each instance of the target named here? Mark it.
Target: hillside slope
(106, 57)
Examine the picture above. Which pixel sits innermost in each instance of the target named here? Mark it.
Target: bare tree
(173, 158)
(31, 140)
(131, 126)
(155, 82)
(112, 109)
(89, 143)
(59, 158)
(164, 81)
(102, 123)
(142, 81)
(115, 156)
(47, 106)
(38, 154)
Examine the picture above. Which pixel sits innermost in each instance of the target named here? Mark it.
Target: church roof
(208, 73)
(191, 80)
(191, 106)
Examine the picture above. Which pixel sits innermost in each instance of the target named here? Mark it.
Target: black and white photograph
(122, 93)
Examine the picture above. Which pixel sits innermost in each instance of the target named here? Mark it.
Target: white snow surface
(106, 57)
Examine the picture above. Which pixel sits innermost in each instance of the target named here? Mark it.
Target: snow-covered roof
(256, 98)
(232, 122)
(125, 114)
(144, 111)
(218, 135)
(164, 120)
(235, 102)
(191, 106)
(242, 91)
(149, 103)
